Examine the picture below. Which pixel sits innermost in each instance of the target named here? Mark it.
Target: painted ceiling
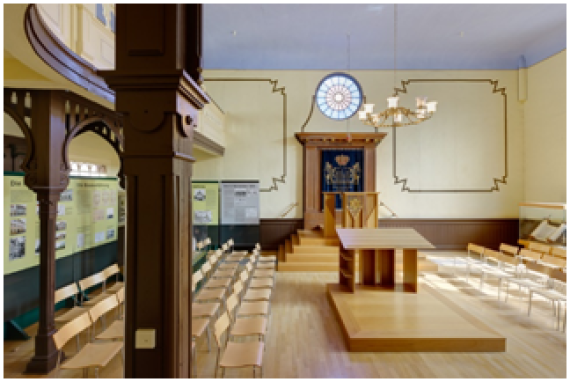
(429, 36)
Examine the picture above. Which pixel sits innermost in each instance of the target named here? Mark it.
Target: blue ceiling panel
(429, 36)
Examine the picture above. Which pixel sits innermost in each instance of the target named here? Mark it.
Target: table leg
(411, 270)
(367, 267)
(386, 266)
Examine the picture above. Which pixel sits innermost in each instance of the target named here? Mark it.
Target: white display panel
(240, 203)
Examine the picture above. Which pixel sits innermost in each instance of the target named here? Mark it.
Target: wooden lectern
(359, 210)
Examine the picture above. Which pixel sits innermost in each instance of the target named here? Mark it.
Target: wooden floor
(305, 341)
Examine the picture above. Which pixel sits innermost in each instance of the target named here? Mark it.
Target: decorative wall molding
(275, 89)
(496, 181)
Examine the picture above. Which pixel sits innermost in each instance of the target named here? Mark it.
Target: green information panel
(205, 203)
(86, 218)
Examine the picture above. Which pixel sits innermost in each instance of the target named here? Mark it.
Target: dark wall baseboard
(444, 234)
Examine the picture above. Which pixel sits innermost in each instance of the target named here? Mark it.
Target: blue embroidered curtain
(341, 171)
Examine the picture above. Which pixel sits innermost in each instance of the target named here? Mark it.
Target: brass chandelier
(396, 115)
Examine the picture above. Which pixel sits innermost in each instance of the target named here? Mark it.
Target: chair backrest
(206, 267)
(538, 247)
(248, 266)
(121, 295)
(509, 249)
(536, 267)
(220, 327)
(103, 307)
(213, 259)
(67, 291)
(230, 242)
(558, 252)
(88, 282)
(257, 246)
(111, 270)
(199, 245)
(207, 241)
(531, 254)
(474, 248)
(508, 259)
(225, 247)
(238, 287)
(490, 254)
(231, 303)
(243, 276)
(71, 329)
(556, 261)
(196, 278)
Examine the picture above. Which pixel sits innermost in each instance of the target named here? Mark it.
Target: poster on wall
(205, 203)
(240, 203)
(122, 208)
(88, 207)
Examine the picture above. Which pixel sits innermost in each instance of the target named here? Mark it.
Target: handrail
(388, 208)
(289, 209)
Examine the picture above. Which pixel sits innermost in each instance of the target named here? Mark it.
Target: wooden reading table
(377, 247)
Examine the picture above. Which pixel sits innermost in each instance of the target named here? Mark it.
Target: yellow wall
(545, 131)
(462, 147)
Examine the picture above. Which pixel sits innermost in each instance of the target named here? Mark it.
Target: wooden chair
(526, 255)
(263, 265)
(555, 292)
(266, 258)
(258, 308)
(203, 310)
(531, 276)
(558, 252)
(496, 272)
(98, 311)
(211, 294)
(116, 330)
(509, 249)
(93, 355)
(538, 247)
(91, 281)
(219, 277)
(236, 354)
(474, 257)
(66, 292)
(244, 327)
(112, 270)
(554, 262)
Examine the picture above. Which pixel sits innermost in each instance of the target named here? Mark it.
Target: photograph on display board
(202, 217)
(18, 210)
(110, 213)
(60, 236)
(66, 196)
(99, 236)
(96, 197)
(37, 249)
(60, 209)
(110, 233)
(61, 225)
(17, 248)
(17, 226)
(105, 197)
(80, 240)
(60, 245)
(122, 208)
(98, 215)
(200, 194)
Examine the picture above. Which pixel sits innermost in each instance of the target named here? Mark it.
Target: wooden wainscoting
(452, 234)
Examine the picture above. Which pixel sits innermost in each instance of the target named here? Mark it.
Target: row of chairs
(525, 268)
(232, 278)
(100, 348)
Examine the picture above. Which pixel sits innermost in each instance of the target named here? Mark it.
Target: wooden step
(295, 239)
(281, 253)
(312, 257)
(309, 233)
(310, 240)
(304, 267)
(332, 249)
(288, 247)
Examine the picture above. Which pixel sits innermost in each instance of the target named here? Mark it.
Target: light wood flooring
(305, 341)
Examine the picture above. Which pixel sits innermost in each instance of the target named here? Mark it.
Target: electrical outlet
(145, 339)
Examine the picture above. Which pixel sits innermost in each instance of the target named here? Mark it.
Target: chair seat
(249, 327)
(550, 294)
(527, 283)
(115, 287)
(115, 331)
(205, 310)
(261, 283)
(267, 259)
(199, 325)
(228, 266)
(224, 274)
(257, 295)
(497, 273)
(218, 283)
(95, 300)
(263, 273)
(253, 308)
(94, 355)
(242, 354)
(210, 294)
(264, 266)
(74, 312)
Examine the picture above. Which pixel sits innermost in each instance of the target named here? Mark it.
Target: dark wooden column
(160, 102)
(46, 175)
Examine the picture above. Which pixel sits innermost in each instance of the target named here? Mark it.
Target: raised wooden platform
(390, 320)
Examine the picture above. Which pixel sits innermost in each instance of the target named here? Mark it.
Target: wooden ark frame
(313, 145)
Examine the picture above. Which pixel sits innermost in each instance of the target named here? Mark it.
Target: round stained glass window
(339, 96)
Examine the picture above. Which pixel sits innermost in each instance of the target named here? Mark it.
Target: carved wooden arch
(104, 127)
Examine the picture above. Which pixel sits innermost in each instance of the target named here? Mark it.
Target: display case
(543, 223)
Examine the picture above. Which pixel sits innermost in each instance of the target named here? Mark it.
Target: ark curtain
(341, 171)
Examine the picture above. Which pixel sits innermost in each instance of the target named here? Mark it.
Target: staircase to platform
(308, 251)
